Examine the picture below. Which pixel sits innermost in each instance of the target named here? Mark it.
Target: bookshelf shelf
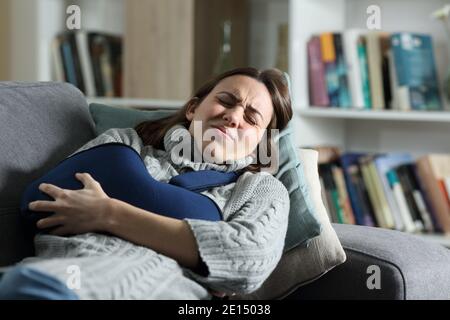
(419, 116)
(137, 103)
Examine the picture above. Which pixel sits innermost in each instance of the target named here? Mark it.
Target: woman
(123, 252)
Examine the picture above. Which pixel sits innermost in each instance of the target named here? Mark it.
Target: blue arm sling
(122, 174)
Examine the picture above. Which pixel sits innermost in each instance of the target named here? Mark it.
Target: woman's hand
(75, 211)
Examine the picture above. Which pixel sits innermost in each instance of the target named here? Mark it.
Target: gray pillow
(303, 225)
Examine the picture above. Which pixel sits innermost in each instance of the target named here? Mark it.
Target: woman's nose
(233, 117)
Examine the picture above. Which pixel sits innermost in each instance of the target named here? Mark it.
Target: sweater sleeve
(127, 136)
(242, 252)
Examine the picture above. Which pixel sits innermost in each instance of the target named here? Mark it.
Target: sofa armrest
(409, 268)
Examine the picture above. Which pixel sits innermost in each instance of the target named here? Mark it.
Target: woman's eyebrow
(238, 98)
(232, 95)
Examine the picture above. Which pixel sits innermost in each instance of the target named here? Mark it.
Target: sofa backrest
(41, 123)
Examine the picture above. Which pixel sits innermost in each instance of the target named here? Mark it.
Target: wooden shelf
(421, 116)
(137, 103)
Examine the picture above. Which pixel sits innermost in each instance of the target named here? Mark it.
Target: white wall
(101, 15)
(266, 16)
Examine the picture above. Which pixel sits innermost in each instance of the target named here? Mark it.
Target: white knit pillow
(300, 265)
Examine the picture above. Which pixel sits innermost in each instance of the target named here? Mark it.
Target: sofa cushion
(107, 117)
(303, 224)
(302, 265)
(40, 124)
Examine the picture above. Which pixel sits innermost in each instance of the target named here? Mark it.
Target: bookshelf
(349, 129)
(388, 115)
(415, 132)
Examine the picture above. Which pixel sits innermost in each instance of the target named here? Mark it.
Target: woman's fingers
(49, 222)
(86, 179)
(42, 205)
(51, 190)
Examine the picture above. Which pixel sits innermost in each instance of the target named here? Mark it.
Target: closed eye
(226, 103)
(251, 115)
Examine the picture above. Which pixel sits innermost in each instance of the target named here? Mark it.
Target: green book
(364, 67)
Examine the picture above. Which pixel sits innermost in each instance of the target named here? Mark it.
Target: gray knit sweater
(240, 252)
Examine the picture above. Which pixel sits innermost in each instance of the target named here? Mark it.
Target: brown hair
(152, 132)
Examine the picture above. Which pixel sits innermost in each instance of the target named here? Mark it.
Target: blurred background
(167, 47)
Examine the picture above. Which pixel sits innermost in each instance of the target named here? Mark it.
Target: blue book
(69, 63)
(344, 99)
(415, 69)
(357, 193)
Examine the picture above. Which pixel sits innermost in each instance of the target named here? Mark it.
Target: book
(86, 63)
(364, 68)
(106, 51)
(385, 45)
(329, 59)
(325, 171)
(416, 194)
(373, 194)
(383, 164)
(344, 201)
(344, 100)
(325, 199)
(318, 94)
(431, 169)
(380, 195)
(355, 186)
(375, 64)
(394, 182)
(91, 61)
(95, 50)
(350, 45)
(70, 37)
(403, 176)
(423, 199)
(415, 71)
(69, 65)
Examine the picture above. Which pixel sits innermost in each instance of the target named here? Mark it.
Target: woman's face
(232, 117)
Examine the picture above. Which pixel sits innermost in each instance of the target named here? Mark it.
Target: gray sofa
(42, 123)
